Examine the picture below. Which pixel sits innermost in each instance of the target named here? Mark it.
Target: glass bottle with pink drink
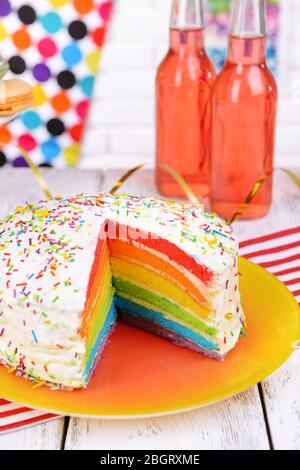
(183, 86)
(244, 101)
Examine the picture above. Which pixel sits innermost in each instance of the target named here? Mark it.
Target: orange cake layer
(127, 251)
(172, 251)
(96, 277)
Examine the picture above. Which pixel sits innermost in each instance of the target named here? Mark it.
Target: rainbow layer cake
(70, 267)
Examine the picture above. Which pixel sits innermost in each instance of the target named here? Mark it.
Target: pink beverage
(183, 86)
(244, 102)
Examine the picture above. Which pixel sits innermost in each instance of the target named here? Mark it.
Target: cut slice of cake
(69, 267)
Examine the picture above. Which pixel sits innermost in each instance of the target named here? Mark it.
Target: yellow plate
(141, 374)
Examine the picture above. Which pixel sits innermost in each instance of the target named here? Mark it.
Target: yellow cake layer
(104, 288)
(157, 284)
(153, 261)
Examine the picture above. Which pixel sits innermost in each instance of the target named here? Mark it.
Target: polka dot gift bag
(55, 46)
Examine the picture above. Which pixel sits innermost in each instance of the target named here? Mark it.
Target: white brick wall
(120, 132)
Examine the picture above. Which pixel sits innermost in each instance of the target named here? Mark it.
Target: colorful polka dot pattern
(55, 46)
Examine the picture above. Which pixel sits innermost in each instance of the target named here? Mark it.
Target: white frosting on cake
(47, 251)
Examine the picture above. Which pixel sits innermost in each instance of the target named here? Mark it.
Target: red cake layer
(95, 264)
(96, 271)
(167, 248)
(149, 240)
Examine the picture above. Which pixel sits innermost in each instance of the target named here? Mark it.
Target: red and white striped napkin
(14, 416)
(278, 252)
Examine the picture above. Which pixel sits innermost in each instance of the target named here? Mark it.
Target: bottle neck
(247, 51)
(187, 15)
(248, 18)
(247, 32)
(187, 42)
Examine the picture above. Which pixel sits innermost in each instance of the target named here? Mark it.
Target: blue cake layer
(157, 318)
(102, 337)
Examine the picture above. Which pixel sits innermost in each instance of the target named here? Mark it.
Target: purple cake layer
(100, 351)
(165, 333)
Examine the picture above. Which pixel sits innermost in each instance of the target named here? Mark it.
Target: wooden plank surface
(46, 436)
(237, 423)
(282, 401)
(281, 390)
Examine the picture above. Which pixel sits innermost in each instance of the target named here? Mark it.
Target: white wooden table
(264, 417)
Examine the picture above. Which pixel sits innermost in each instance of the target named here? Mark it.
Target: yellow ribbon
(256, 188)
(180, 180)
(37, 173)
(182, 183)
(125, 177)
(292, 176)
(193, 198)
